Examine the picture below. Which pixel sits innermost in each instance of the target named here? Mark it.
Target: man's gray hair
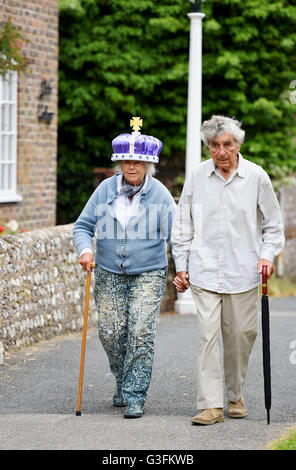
(219, 125)
(151, 170)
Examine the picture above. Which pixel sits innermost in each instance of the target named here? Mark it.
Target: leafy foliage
(123, 58)
(11, 57)
(248, 63)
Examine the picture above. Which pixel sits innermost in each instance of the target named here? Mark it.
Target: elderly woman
(131, 213)
(227, 226)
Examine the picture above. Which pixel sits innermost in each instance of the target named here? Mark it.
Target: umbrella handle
(264, 280)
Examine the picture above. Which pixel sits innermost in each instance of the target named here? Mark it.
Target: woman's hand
(181, 281)
(87, 261)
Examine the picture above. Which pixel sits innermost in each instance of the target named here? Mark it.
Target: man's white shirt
(223, 227)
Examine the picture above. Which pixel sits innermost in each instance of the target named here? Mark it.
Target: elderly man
(227, 226)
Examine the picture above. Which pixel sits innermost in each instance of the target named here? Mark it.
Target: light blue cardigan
(141, 246)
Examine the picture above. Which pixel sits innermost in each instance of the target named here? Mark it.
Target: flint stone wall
(42, 287)
(288, 208)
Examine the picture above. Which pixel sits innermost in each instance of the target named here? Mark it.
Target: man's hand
(86, 260)
(270, 267)
(181, 281)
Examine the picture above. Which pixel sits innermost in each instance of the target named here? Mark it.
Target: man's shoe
(237, 409)
(118, 398)
(209, 416)
(134, 410)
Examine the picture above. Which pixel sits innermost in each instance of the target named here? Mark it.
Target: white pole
(193, 142)
(184, 303)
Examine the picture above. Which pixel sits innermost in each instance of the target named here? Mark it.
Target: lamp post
(193, 141)
(184, 303)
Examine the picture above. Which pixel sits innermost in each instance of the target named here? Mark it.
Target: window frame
(8, 137)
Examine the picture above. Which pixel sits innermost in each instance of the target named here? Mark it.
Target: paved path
(38, 394)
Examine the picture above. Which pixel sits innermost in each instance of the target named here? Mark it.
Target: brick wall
(37, 141)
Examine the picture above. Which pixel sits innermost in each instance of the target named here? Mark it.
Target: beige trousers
(235, 315)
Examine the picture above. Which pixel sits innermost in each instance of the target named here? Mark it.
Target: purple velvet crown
(136, 146)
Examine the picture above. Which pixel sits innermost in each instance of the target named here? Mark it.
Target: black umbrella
(266, 343)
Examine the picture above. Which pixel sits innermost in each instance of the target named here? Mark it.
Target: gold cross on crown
(136, 123)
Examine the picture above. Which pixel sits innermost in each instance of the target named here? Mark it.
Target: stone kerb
(42, 287)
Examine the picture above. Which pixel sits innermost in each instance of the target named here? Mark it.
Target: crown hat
(136, 146)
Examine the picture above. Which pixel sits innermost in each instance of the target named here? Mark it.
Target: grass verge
(286, 442)
(280, 287)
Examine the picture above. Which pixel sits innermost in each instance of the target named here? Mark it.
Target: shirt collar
(240, 168)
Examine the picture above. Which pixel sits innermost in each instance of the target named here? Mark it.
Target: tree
(122, 58)
(248, 65)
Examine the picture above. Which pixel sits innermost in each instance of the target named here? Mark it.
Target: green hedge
(123, 58)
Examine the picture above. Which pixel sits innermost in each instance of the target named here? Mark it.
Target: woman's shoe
(118, 398)
(134, 410)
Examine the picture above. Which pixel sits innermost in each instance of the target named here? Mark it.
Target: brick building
(28, 118)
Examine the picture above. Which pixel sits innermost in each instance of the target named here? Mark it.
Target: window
(8, 137)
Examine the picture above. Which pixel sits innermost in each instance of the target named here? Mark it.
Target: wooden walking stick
(85, 317)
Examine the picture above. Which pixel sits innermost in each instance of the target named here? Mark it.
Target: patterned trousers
(128, 306)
